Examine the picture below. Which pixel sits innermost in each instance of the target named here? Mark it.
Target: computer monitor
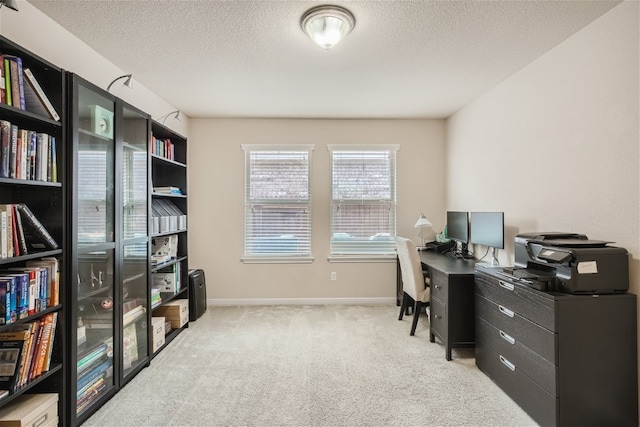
(458, 226)
(487, 228)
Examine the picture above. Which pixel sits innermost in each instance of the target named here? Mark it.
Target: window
(277, 202)
(363, 201)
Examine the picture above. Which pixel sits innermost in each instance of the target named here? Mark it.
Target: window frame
(365, 256)
(267, 257)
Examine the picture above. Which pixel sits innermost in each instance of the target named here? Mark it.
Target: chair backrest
(410, 267)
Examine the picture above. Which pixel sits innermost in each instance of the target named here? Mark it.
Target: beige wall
(216, 215)
(556, 146)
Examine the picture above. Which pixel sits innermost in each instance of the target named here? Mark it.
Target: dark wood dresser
(567, 360)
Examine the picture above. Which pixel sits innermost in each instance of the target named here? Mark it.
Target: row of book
(163, 148)
(21, 233)
(25, 291)
(21, 89)
(94, 366)
(25, 351)
(27, 154)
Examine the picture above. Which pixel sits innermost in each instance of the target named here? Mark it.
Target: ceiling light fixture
(11, 4)
(176, 115)
(128, 83)
(327, 25)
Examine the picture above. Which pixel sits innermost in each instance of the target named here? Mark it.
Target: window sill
(363, 258)
(277, 260)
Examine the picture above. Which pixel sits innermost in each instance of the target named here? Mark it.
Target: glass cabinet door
(135, 332)
(93, 245)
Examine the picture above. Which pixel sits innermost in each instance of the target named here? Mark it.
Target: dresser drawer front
(540, 405)
(439, 324)
(533, 336)
(439, 286)
(531, 364)
(529, 303)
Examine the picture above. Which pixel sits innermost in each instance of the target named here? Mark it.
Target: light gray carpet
(336, 365)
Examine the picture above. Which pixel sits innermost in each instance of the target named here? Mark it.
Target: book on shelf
(5, 152)
(35, 234)
(17, 81)
(12, 346)
(3, 89)
(129, 345)
(53, 278)
(133, 315)
(26, 154)
(87, 358)
(13, 151)
(7, 80)
(36, 99)
(167, 190)
(8, 230)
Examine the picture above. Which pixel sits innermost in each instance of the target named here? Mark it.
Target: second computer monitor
(487, 228)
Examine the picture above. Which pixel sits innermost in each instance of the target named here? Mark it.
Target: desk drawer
(529, 303)
(440, 286)
(531, 364)
(540, 405)
(439, 323)
(533, 336)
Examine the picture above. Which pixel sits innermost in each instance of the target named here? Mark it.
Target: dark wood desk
(452, 300)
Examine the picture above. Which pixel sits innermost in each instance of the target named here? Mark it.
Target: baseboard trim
(302, 301)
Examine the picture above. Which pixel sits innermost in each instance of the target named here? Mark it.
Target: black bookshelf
(46, 198)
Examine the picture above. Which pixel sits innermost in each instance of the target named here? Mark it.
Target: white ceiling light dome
(327, 25)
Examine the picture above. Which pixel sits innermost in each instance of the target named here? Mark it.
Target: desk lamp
(422, 223)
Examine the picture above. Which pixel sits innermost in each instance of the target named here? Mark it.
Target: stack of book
(21, 89)
(156, 298)
(167, 190)
(27, 154)
(94, 367)
(25, 351)
(21, 233)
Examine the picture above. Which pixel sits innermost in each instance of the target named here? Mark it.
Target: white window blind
(277, 201)
(363, 202)
(95, 185)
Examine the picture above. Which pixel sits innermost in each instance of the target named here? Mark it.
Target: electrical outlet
(334, 275)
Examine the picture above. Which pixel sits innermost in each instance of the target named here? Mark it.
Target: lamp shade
(422, 222)
(327, 25)
(128, 82)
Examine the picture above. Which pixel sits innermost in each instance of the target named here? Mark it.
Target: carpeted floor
(314, 365)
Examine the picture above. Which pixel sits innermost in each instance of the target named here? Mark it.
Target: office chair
(415, 286)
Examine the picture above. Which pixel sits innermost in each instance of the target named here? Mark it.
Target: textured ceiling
(404, 59)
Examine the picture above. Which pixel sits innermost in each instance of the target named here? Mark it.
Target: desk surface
(448, 264)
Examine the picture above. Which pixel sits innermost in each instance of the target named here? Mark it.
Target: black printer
(570, 263)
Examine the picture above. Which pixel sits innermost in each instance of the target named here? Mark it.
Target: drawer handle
(508, 364)
(436, 317)
(437, 286)
(506, 285)
(505, 311)
(508, 338)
